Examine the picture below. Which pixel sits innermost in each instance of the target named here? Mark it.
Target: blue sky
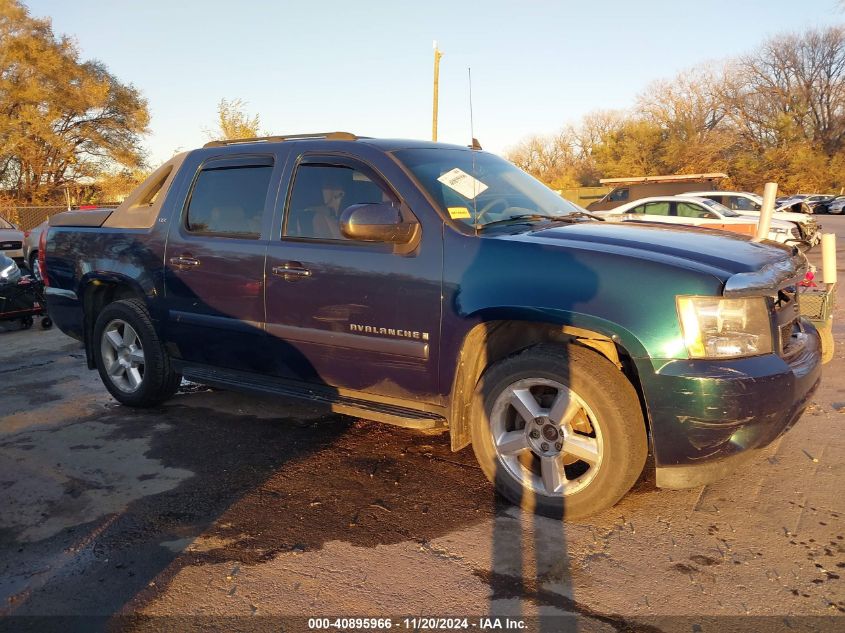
(366, 67)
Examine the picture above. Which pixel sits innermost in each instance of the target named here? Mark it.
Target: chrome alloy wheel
(123, 355)
(546, 437)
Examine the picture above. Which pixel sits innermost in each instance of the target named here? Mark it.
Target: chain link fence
(27, 218)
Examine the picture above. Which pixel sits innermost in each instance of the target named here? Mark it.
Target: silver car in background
(11, 240)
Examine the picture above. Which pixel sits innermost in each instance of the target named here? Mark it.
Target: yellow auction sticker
(459, 213)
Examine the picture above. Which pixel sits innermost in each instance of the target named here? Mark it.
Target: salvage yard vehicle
(749, 204)
(696, 211)
(435, 286)
(627, 190)
(11, 240)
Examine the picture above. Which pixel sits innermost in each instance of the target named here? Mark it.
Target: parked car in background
(11, 240)
(749, 204)
(692, 211)
(629, 189)
(30, 248)
(805, 203)
(836, 206)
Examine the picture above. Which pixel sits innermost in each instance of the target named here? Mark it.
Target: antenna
(471, 128)
(474, 144)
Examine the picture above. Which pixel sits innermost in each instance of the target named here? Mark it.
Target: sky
(366, 67)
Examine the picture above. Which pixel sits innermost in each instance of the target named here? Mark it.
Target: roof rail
(672, 178)
(329, 136)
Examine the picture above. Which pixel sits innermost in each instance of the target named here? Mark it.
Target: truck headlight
(716, 327)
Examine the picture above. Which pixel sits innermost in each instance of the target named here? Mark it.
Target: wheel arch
(491, 341)
(98, 291)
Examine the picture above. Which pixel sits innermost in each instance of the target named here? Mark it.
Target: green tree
(61, 119)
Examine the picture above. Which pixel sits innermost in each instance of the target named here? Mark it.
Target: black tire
(158, 381)
(26, 323)
(46, 323)
(607, 394)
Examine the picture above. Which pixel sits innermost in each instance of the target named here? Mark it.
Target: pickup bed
(439, 287)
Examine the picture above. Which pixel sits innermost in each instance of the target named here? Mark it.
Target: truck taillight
(42, 255)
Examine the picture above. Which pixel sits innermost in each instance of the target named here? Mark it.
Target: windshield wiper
(522, 218)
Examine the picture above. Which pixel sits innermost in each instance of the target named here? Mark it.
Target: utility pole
(437, 56)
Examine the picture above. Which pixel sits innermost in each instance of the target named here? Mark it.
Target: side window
(618, 195)
(229, 201)
(639, 209)
(744, 204)
(687, 210)
(320, 195)
(656, 208)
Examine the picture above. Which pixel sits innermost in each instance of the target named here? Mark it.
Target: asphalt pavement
(221, 505)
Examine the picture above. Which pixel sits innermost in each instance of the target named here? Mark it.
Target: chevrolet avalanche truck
(434, 286)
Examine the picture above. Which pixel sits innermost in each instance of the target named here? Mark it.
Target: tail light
(26, 234)
(42, 255)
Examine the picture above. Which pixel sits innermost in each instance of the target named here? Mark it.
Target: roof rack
(329, 136)
(672, 178)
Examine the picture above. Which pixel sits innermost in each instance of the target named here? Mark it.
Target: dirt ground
(220, 505)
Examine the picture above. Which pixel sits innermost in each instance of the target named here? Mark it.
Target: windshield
(719, 208)
(478, 188)
(5, 225)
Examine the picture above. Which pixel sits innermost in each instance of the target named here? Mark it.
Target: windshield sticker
(463, 183)
(459, 213)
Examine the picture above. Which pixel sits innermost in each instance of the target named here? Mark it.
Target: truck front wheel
(132, 362)
(559, 431)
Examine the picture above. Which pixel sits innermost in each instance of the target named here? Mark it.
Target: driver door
(349, 314)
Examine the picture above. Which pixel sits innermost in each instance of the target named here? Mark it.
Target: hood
(11, 235)
(709, 251)
(787, 216)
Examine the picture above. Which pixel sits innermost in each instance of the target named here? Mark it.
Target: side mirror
(376, 222)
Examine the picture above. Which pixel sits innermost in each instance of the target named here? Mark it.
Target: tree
(61, 119)
(233, 122)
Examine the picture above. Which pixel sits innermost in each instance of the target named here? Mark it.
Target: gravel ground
(223, 505)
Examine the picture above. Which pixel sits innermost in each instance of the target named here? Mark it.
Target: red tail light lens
(42, 255)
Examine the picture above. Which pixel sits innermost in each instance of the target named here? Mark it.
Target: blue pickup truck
(435, 286)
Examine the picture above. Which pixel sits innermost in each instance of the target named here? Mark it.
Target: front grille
(786, 317)
(10, 246)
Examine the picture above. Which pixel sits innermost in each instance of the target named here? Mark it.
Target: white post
(829, 258)
(770, 192)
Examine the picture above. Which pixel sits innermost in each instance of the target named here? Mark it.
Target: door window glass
(687, 210)
(618, 195)
(320, 195)
(229, 202)
(656, 208)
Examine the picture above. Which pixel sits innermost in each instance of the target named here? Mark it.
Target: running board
(378, 411)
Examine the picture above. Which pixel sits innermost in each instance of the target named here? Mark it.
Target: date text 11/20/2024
(417, 624)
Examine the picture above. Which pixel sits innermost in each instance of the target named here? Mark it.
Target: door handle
(291, 271)
(184, 262)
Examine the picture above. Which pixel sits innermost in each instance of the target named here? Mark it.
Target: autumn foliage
(62, 120)
(777, 114)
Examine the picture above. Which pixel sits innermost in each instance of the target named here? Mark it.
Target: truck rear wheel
(131, 359)
(559, 431)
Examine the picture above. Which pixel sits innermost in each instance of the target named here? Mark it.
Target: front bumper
(706, 416)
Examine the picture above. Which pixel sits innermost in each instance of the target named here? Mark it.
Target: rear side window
(229, 201)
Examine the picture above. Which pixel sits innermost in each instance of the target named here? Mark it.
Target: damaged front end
(708, 413)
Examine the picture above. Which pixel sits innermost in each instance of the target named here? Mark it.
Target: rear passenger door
(214, 263)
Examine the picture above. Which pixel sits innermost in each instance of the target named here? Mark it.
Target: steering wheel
(490, 205)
